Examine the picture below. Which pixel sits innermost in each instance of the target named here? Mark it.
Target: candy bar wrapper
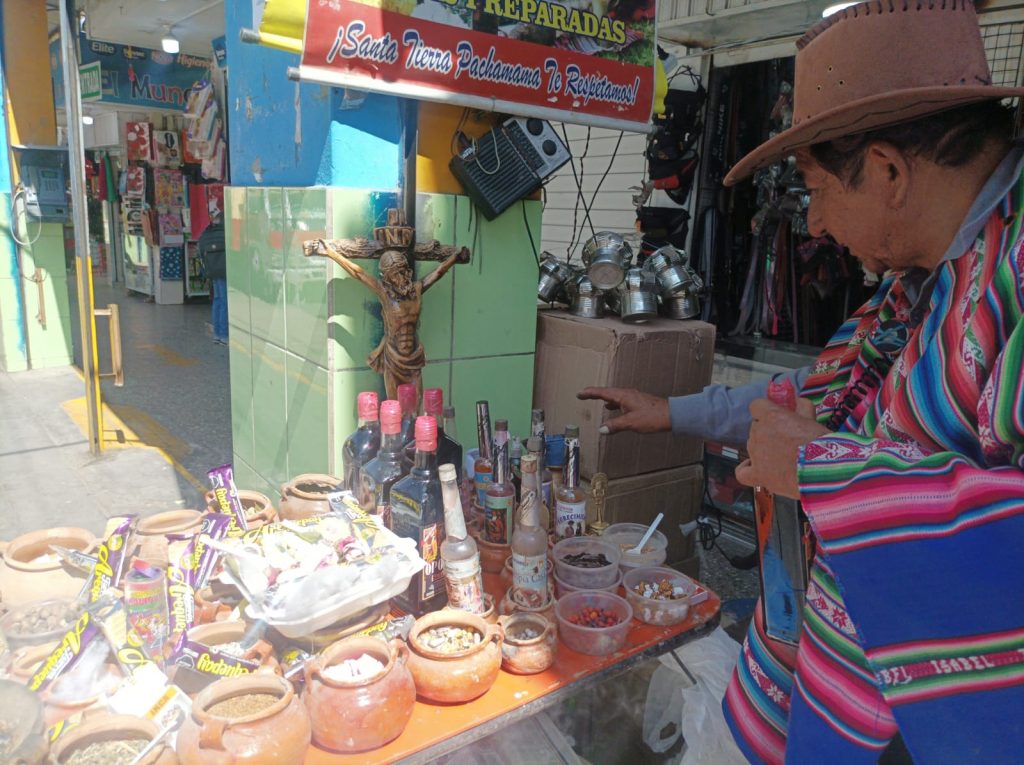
(145, 600)
(254, 535)
(181, 588)
(293, 662)
(67, 653)
(127, 644)
(110, 560)
(203, 557)
(222, 480)
(395, 627)
(209, 661)
(76, 559)
(62, 727)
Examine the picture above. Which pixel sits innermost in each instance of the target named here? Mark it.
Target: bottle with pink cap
(449, 451)
(408, 399)
(383, 471)
(417, 512)
(363, 445)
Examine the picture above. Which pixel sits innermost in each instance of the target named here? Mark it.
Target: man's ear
(889, 169)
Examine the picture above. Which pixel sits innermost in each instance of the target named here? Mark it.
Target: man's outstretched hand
(641, 412)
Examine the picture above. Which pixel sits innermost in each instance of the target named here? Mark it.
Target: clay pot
(151, 533)
(26, 661)
(110, 727)
(359, 715)
(57, 708)
(492, 556)
(209, 608)
(506, 574)
(259, 510)
(23, 718)
(277, 734)
(490, 614)
(306, 496)
(455, 677)
(524, 655)
(509, 605)
(27, 576)
(219, 633)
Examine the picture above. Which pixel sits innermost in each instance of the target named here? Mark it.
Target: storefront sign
(573, 61)
(91, 83)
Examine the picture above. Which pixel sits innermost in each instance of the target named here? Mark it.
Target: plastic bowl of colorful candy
(593, 621)
(658, 595)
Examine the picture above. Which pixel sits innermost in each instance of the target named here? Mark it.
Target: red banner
(583, 61)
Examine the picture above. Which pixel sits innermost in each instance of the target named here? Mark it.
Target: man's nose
(815, 224)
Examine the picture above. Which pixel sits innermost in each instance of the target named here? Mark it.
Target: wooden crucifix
(399, 357)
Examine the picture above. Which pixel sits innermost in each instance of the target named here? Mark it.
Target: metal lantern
(607, 256)
(553, 278)
(639, 297)
(585, 299)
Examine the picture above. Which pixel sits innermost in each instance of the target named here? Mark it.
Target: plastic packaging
(626, 536)
(563, 588)
(596, 641)
(586, 578)
(661, 612)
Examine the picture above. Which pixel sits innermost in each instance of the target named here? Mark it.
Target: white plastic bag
(694, 705)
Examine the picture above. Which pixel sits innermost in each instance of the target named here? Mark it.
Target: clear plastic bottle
(570, 499)
(483, 470)
(461, 559)
(363, 445)
(499, 502)
(389, 466)
(417, 512)
(530, 546)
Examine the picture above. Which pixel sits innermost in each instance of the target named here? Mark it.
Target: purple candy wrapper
(67, 653)
(203, 557)
(181, 587)
(110, 560)
(208, 660)
(222, 481)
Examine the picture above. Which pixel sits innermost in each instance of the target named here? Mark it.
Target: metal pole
(410, 133)
(80, 221)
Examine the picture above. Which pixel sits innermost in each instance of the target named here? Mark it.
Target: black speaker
(508, 163)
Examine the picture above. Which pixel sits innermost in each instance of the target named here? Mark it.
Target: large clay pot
(359, 715)
(306, 496)
(30, 571)
(273, 736)
(216, 634)
(455, 677)
(23, 717)
(527, 655)
(151, 533)
(259, 510)
(110, 727)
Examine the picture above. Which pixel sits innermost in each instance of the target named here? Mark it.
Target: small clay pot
(492, 556)
(57, 708)
(209, 608)
(510, 605)
(490, 614)
(23, 719)
(26, 661)
(506, 574)
(454, 677)
(305, 496)
(151, 533)
(527, 655)
(259, 510)
(30, 571)
(279, 733)
(192, 681)
(111, 727)
(359, 715)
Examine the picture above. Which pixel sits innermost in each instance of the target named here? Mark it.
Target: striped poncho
(914, 615)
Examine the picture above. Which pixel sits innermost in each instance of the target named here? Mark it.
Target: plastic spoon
(647, 535)
(174, 724)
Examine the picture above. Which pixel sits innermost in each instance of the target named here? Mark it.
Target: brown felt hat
(877, 64)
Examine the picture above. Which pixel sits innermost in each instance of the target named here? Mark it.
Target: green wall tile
(435, 218)
(307, 417)
(345, 386)
(239, 258)
(269, 408)
(15, 359)
(265, 240)
(240, 363)
(305, 213)
(246, 477)
(496, 294)
(438, 374)
(506, 382)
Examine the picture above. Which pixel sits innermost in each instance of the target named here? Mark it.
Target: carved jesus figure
(399, 357)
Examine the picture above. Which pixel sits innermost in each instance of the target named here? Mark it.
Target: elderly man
(907, 451)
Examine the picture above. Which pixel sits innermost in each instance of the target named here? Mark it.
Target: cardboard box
(663, 357)
(676, 493)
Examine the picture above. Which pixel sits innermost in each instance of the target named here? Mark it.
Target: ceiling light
(169, 42)
(86, 119)
(835, 9)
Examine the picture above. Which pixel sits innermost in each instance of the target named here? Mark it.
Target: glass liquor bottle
(417, 512)
(532, 482)
(363, 445)
(499, 502)
(537, 428)
(461, 559)
(482, 468)
(530, 544)
(383, 471)
(408, 399)
(535, 446)
(515, 457)
(449, 451)
(570, 499)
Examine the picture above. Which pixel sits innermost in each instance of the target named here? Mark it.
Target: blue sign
(136, 76)
(220, 51)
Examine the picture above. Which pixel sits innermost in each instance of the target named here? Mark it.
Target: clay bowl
(259, 510)
(511, 605)
(454, 678)
(305, 496)
(524, 655)
(192, 681)
(151, 533)
(30, 571)
(361, 714)
(111, 727)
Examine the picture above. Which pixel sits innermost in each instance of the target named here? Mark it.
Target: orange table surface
(518, 696)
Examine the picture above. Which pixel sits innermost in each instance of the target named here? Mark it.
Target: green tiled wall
(301, 329)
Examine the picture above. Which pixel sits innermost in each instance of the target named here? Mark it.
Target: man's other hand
(640, 412)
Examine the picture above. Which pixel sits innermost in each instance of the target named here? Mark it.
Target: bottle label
(496, 518)
(465, 584)
(483, 483)
(432, 578)
(545, 490)
(570, 519)
(530, 576)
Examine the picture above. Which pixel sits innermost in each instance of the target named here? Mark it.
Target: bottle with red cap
(383, 471)
(449, 451)
(408, 399)
(417, 512)
(363, 445)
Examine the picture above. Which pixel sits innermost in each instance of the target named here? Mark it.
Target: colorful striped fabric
(915, 614)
